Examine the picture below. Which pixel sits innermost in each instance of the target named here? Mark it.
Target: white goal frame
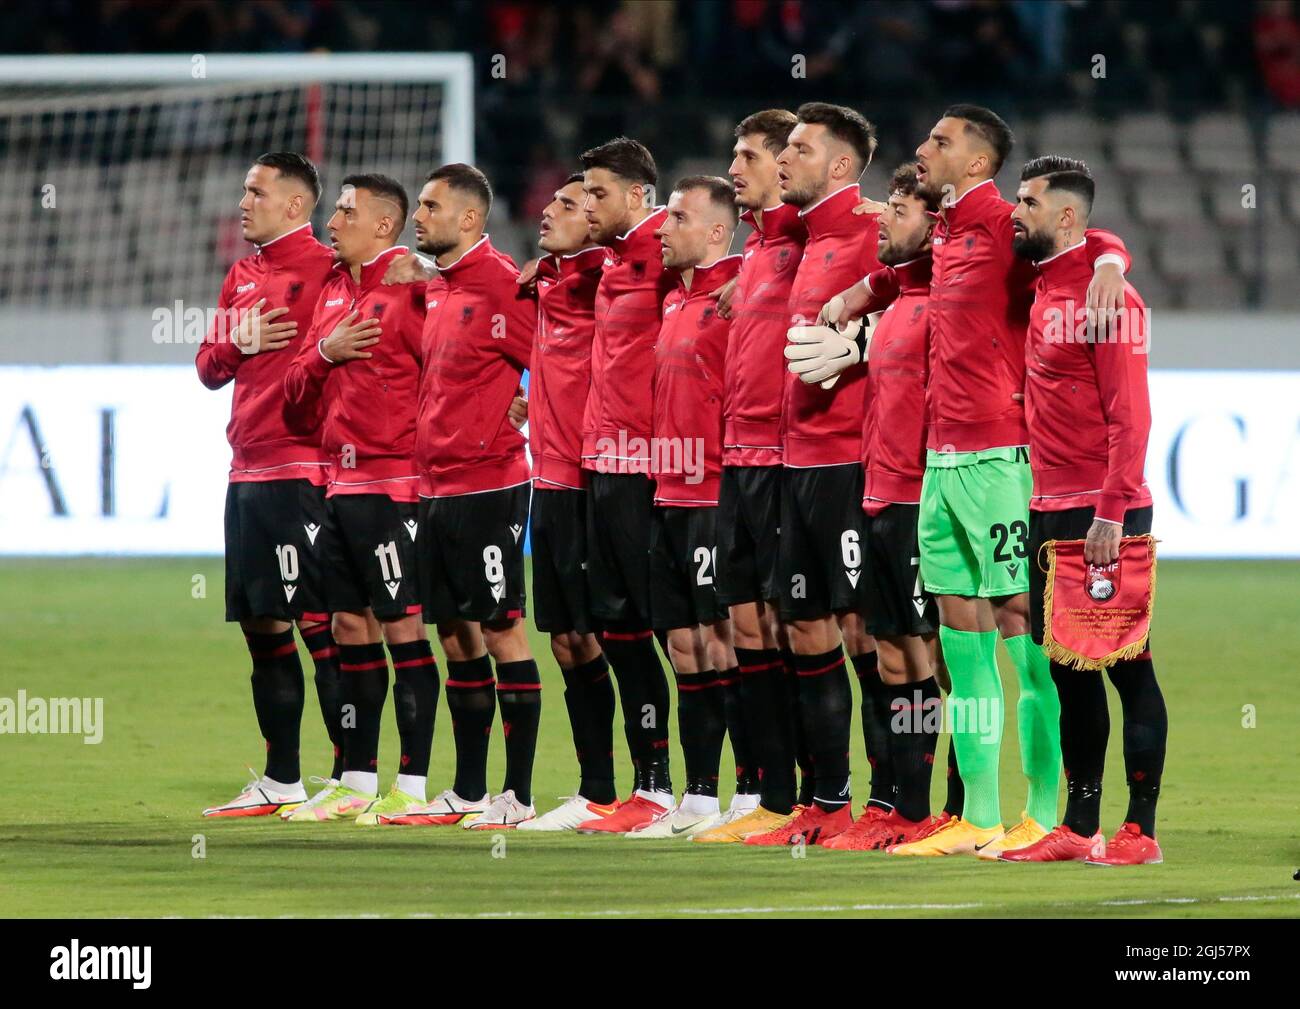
(454, 70)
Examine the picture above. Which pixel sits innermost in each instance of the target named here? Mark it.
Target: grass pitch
(113, 829)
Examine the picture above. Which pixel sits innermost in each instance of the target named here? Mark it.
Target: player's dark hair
(904, 183)
(629, 159)
(465, 179)
(719, 190)
(989, 127)
(573, 177)
(385, 186)
(844, 124)
(294, 166)
(1068, 174)
(773, 125)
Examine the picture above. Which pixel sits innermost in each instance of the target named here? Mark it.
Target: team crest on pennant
(1097, 615)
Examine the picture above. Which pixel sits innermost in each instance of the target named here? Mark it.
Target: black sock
(913, 747)
(519, 692)
(472, 702)
(955, 802)
(1085, 728)
(876, 698)
(365, 687)
(329, 686)
(277, 699)
(1146, 729)
(742, 744)
(826, 706)
(766, 716)
(415, 701)
(643, 694)
(589, 696)
(702, 724)
(802, 754)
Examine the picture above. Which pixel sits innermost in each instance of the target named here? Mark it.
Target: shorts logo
(312, 529)
(918, 591)
(392, 588)
(1013, 570)
(411, 527)
(798, 587)
(289, 590)
(852, 551)
(516, 531)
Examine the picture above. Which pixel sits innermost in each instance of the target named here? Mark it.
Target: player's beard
(1033, 245)
(801, 197)
(434, 246)
(930, 190)
(893, 253)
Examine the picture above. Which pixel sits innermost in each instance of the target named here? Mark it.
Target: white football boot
(504, 813)
(575, 810)
(261, 797)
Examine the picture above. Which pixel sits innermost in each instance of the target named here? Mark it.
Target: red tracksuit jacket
(690, 357)
(616, 424)
(560, 373)
(755, 372)
(367, 405)
(824, 427)
(1088, 408)
(893, 436)
(478, 336)
(288, 272)
(979, 305)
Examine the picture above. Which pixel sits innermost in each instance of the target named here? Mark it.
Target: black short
(619, 508)
(820, 551)
(897, 603)
(749, 525)
(682, 590)
(273, 567)
(472, 555)
(369, 555)
(1071, 524)
(559, 538)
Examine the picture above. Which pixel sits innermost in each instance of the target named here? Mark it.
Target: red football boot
(636, 812)
(1129, 846)
(1059, 845)
(923, 829)
(865, 826)
(813, 824)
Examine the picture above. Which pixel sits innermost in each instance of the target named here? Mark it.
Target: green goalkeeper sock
(1038, 717)
(975, 715)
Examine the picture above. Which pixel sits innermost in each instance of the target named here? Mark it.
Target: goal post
(119, 175)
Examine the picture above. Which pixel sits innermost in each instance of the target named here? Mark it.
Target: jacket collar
(640, 235)
(287, 246)
(914, 275)
(781, 220)
(1066, 267)
(373, 271)
(971, 203)
(561, 267)
(707, 279)
(474, 254)
(831, 211)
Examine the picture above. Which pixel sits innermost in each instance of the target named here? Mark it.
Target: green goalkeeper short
(974, 522)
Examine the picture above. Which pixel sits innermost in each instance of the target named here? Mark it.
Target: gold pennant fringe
(1057, 652)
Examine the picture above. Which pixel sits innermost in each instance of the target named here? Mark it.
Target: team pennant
(1097, 615)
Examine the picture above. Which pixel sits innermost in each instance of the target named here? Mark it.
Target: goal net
(120, 176)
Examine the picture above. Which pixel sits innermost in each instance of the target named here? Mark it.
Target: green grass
(109, 829)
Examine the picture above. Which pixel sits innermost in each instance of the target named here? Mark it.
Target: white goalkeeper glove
(820, 353)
